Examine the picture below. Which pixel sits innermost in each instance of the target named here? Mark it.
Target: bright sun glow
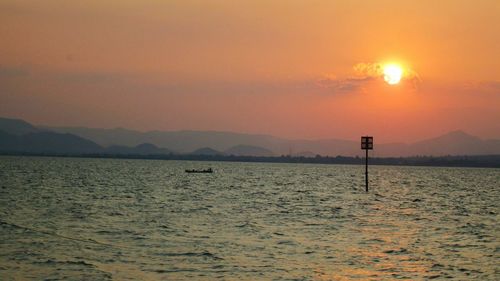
(392, 74)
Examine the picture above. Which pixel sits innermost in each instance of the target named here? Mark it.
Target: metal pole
(366, 170)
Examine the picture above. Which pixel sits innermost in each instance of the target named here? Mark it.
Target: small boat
(206, 171)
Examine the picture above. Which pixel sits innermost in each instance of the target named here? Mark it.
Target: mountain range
(20, 136)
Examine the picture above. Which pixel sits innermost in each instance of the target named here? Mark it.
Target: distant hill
(141, 149)
(16, 126)
(456, 143)
(47, 142)
(189, 141)
(179, 141)
(148, 148)
(248, 150)
(210, 142)
(18, 136)
(452, 143)
(206, 151)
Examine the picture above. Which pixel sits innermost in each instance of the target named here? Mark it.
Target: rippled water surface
(104, 219)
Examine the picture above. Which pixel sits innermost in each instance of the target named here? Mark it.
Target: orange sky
(287, 68)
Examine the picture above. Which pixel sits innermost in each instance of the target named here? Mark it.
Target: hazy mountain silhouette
(47, 142)
(16, 126)
(203, 142)
(452, 143)
(248, 150)
(180, 141)
(141, 149)
(206, 151)
(188, 141)
(455, 143)
(18, 136)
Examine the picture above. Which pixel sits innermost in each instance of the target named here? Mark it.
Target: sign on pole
(366, 144)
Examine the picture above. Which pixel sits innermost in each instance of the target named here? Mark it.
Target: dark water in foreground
(104, 219)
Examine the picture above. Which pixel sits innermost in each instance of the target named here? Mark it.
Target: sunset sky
(297, 69)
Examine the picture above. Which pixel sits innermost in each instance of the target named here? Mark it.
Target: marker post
(366, 144)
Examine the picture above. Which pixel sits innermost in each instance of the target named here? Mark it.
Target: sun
(393, 73)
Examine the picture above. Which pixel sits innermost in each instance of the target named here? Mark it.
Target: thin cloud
(368, 69)
(365, 73)
(350, 84)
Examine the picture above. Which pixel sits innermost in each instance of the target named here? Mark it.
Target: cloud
(376, 70)
(373, 70)
(363, 74)
(350, 84)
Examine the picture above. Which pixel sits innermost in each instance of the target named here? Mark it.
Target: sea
(117, 219)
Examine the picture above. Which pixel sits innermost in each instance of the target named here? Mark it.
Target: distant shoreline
(477, 161)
